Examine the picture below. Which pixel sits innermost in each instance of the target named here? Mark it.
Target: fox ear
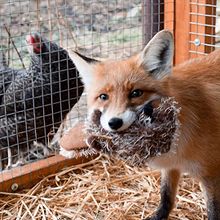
(157, 56)
(84, 65)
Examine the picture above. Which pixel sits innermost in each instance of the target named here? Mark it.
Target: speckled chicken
(7, 74)
(37, 100)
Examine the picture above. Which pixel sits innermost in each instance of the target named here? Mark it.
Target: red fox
(119, 88)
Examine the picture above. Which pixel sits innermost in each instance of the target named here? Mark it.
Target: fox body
(119, 88)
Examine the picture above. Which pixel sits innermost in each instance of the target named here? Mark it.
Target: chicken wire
(39, 84)
(204, 26)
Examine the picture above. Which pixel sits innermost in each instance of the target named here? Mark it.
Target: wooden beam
(169, 15)
(181, 30)
(28, 175)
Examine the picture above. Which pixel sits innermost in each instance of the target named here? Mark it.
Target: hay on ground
(102, 189)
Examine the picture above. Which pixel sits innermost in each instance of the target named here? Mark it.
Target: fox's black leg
(211, 187)
(169, 182)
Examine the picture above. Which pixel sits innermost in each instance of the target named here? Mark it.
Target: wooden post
(169, 12)
(181, 30)
(169, 9)
(176, 19)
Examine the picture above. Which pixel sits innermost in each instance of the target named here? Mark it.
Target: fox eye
(103, 97)
(136, 93)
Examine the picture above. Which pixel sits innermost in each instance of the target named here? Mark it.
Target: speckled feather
(36, 100)
(142, 140)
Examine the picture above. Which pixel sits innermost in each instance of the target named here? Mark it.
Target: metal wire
(204, 27)
(97, 28)
(31, 110)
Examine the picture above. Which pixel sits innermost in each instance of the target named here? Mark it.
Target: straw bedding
(102, 189)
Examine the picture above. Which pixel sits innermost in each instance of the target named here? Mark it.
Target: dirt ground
(99, 28)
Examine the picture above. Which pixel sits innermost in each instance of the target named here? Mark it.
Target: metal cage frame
(193, 26)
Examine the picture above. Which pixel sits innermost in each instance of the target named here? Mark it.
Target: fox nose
(115, 123)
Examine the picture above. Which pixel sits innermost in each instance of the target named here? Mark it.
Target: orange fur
(118, 79)
(195, 85)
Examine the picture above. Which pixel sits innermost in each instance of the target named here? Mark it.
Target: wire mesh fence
(204, 26)
(39, 84)
(41, 95)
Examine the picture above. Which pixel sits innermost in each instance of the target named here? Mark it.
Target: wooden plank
(202, 27)
(169, 15)
(28, 175)
(181, 32)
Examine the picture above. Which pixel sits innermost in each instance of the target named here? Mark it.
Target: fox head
(118, 88)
